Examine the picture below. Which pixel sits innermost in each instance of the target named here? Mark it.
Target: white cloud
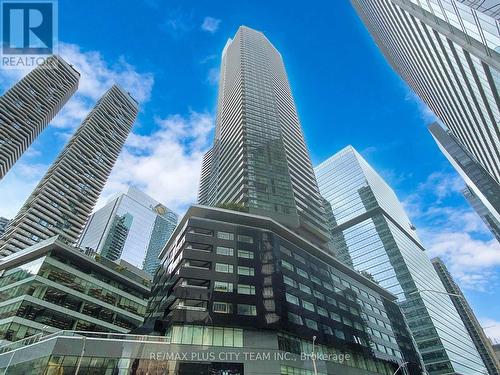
(210, 24)
(213, 76)
(165, 164)
(492, 329)
(454, 233)
(426, 114)
(97, 76)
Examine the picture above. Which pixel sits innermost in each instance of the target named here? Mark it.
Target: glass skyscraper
(62, 201)
(476, 332)
(133, 227)
(449, 53)
(372, 233)
(259, 160)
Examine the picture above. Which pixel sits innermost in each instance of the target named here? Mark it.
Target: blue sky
(167, 54)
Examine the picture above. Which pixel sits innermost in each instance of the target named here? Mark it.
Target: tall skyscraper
(66, 195)
(483, 344)
(259, 159)
(28, 106)
(449, 54)
(373, 234)
(483, 192)
(133, 227)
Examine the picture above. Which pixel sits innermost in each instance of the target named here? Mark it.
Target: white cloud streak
(210, 24)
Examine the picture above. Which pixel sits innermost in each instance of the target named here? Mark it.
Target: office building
(28, 106)
(482, 192)
(259, 159)
(483, 344)
(63, 200)
(373, 234)
(230, 279)
(489, 7)
(53, 286)
(449, 54)
(133, 227)
(3, 225)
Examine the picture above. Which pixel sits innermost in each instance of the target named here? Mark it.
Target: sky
(167, 55)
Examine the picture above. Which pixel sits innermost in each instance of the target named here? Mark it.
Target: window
(311, 324)
(246, 271)
(294, 318)
(304, 288)
(222, 307)
(190, 304)
(250, 310)
(343, 306)
(244, 238)
(331, 301)
(286, 265)
(347, 322)
(308, 305)
(302, 273)
(315, 280)
(327, 330)
(222, 250)
(328, 286)
(289, 281)
(335, 278)
(225, 236)
(318, 295)
(245, 254)
(220, 286)
(284, 250)
(335, 317)
(299, 258)
(322, 311)
(246, 289)
(292, 299)
(223, 267)
(340, 334)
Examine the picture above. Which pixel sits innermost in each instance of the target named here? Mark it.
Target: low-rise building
(53, 286)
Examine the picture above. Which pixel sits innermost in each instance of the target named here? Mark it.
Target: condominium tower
(476, 332)
(63, 200)
(259, 160)
(28, 106)
(133, 227)
(448, 52)
(373, 234)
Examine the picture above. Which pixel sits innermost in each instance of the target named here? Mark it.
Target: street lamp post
(314, 357)
(400, 366)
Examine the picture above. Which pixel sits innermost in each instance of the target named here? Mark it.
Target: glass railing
(40, 337)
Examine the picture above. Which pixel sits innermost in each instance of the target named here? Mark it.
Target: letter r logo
(28, 27)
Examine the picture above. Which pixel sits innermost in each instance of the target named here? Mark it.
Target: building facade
(28, 106)
(482, 192)
(448, 52)
(52, 286)
(133, 227)
(373, 234)
(259, 159)
(63, 200)
(482, 342)
(248, 277)
(3, 225)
